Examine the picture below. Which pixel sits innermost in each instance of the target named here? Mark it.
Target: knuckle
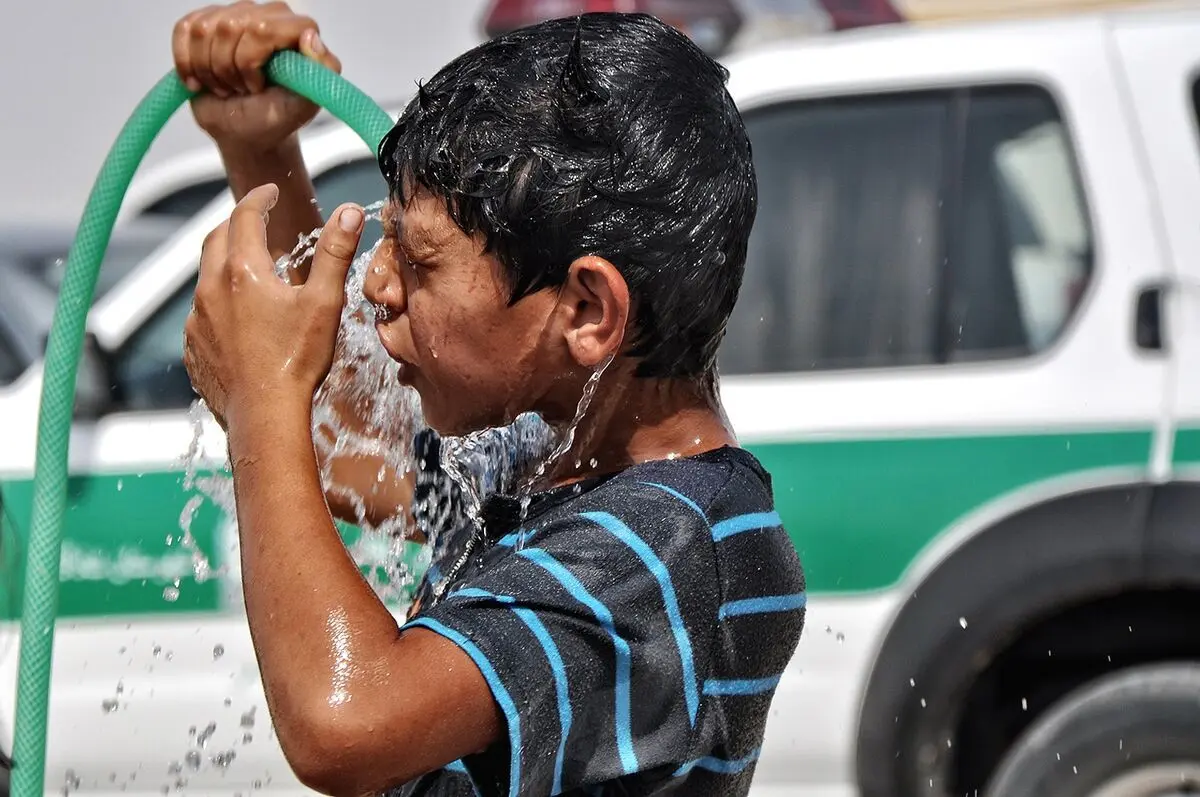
(201, 28)
(340, 248)
(214, 235)
(227, 26)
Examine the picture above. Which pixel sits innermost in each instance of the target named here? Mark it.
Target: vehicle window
(188, 201)
(147, 371)
(11, 365)
(1019, 248)
(915, 229)
(358, 181)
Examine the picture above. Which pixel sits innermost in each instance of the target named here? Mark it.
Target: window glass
(1020, 251)
(358, 181)
(917, 229)
(11, 365)
(843, 261)
(187, 201)
(148, 372)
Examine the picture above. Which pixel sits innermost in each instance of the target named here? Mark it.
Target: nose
(383, 284)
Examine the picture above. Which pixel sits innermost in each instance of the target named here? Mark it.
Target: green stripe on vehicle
(860, 511)
(116, 560)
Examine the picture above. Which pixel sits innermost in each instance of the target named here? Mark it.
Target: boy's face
(442, 312)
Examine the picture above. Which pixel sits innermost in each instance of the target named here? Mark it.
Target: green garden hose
(40, 605)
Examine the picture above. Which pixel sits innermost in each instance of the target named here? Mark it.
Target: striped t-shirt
(632, 628)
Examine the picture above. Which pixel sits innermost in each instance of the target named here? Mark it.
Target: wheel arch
(976, 586)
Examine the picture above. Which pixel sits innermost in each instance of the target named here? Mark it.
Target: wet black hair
(603, 134)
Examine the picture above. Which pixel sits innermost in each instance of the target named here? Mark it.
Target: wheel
(1133, 733)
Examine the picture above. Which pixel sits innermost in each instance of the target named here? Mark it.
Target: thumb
(313, 46)
(334, 254)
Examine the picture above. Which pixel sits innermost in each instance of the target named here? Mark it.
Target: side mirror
(93, 383)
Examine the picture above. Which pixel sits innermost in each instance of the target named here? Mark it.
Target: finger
(222, 54)
(212, 258)
(313, 46)
(200, 37)
(252, 53)
(248, 228)
(334, 255)
(181, 42)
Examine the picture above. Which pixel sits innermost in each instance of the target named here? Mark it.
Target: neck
(634, 420)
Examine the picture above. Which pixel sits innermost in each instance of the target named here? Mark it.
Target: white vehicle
(968, 350)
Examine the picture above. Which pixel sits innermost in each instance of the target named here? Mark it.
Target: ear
(595, 299)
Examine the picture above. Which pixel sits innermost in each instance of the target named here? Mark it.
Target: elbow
(337, 752)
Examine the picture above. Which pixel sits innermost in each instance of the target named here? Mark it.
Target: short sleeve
(593, 654)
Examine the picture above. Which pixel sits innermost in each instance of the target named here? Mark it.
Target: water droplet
(120, 485)
(912, 681)
(840, 637)
(206, 734)
(247, 738)
(109, 705)
(593, 462)
(1024, 704)
(248, 717)
(192, 731)
(962, 621)
(257, 784)
(922, 702)
(222, 760)
(228, 702)
(174, 768)
(218, 651)
(121, 650)
(170, 594)
(157, 651)
(120, 687)
(193, 760)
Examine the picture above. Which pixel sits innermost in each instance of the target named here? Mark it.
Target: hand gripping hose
(40, 605)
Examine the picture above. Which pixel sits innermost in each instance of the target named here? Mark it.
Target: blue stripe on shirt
(503, 699)
(764, 605)
(722, 766)
(675, 493)
(740, 686)
(553, 657)
(663, 577)
(740, 523)
(624, 662)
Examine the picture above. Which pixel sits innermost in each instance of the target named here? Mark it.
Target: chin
(451, 424)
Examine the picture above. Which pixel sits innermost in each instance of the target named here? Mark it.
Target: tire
(1133, 733)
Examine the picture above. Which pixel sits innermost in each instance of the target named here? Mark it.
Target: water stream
(362, 411)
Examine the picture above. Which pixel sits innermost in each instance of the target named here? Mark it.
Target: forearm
(296, 213)
(318, 629)
(357, 707)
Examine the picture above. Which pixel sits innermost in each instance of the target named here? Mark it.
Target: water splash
(568, 434)
(361, 411)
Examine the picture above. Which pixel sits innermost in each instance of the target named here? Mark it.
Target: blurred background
(967, 347)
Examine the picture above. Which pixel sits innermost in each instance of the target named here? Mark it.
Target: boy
(569, 212)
